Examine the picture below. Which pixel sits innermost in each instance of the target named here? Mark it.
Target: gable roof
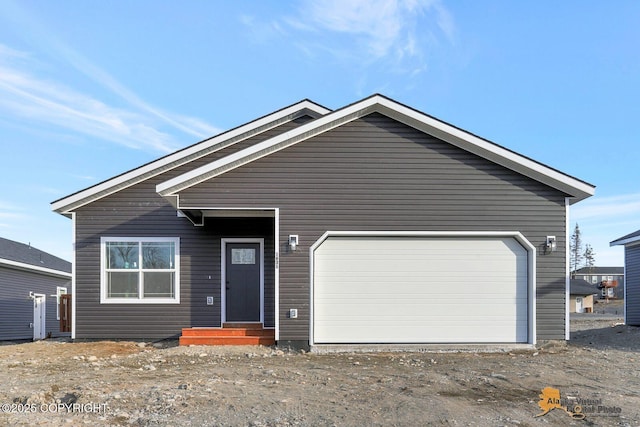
(582, 287)
(26, 257)
(627, 240)
(68, 204)
(575, 188)
(601, 270)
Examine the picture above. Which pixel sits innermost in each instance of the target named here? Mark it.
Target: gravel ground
(53, 382)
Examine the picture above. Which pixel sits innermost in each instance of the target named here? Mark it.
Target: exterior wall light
(293, 241)
(550, 245)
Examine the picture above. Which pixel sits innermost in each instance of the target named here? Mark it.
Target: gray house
(32, 283)
(373, 223)
(631, 243)
(610, 280)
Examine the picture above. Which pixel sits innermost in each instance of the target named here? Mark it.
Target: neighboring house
(610, 280)
(631, 243)
(582, 293)
(373, 223)
(31, 285)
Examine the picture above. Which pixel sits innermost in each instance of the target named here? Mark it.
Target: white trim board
(567, 273)
(223, 273)
(74, 201)
(629, 241)
(73, 277)
(577, 189)
(34, 268)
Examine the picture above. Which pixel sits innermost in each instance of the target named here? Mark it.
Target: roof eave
(574, 188)
(34, 268)
(76, 200)
(625, 241)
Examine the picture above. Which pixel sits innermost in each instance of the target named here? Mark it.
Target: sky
(89, 90)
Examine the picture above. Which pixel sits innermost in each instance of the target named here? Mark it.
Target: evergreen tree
(576, 255)
(589, 256)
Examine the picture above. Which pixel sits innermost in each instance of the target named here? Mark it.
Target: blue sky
(91, 89)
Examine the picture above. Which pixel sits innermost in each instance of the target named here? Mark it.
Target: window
(60, 290)
(140, 270)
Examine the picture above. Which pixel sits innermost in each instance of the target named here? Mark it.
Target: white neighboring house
(32, 283)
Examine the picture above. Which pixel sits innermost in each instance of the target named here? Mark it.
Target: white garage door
(420, 290)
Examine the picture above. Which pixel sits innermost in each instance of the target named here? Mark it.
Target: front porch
(245, 333)
(234, 305)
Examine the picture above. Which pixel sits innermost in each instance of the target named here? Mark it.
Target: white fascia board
(624, 242)
(218, 142)
(577, 189)
(34, 268)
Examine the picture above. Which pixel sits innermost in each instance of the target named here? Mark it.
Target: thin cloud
(10, 212)
(27, 97)
(398, 30)
(106, 80)
(36, 99)
(83, 177)
(607, 208)
(59, 50)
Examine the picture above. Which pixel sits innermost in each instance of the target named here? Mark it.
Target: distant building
(32, 283)
(582, 293)
(610, 280)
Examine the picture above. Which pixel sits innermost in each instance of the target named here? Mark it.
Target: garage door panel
(444, 312)
(385, 290)
(454, 333)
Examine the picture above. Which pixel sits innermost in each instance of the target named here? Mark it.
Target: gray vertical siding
(378, 174)
(632, 276)
(16, 308)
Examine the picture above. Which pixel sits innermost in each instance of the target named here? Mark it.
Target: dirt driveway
(106, 383)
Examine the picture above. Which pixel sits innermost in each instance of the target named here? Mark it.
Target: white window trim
(103, 272)
(60, 290)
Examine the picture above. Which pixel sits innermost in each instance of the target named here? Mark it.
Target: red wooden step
(227, 340)
(229, 334)
(223, 332)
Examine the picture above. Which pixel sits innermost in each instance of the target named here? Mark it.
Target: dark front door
(243, 282)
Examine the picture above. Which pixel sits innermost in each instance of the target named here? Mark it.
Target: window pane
(159, 285)
(122, 255)
(158, 255)
(243, 256)
(122, 285)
